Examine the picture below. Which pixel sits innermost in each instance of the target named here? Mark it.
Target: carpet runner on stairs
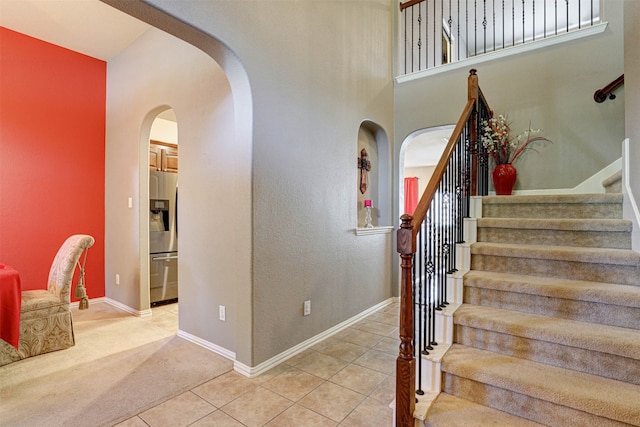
(549, 328)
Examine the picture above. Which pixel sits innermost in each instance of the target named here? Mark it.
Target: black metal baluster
(513, 24)
(533, 24)
(503, 22)
(484, 25)
(418, 304)
(431, 274)
(523, 16)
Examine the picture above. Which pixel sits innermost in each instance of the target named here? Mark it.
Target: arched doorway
(419, 155)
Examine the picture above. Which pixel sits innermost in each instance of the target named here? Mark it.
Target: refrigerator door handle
(164, 258)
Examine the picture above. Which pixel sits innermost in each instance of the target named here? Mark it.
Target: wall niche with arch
(373, 181)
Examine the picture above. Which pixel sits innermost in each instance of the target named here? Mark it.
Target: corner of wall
(630, 207)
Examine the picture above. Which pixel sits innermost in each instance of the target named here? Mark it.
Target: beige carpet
(120, 366)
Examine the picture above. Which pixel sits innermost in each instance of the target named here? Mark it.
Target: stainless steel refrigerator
(163, 236)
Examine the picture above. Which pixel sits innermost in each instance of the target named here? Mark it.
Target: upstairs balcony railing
(438, 32)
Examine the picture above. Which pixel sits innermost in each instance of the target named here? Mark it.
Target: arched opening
(419, 155)
(163, 209)
(208, 89)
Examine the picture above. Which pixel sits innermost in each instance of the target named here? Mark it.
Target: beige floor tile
(388, 345)
(332, 401)
(370, 413)
(386, 317)
(225, 388)
(217, 419)
(358, 378)
(271, 374)
(378, 361)
(324, 343)
(375, 327)
(132, 422)
(182, 410)
(257, 407)
(386, 390)
(298, 416)
(362, 338)
(293, 384)
(321, 365)
(298, 358)
(344, 350)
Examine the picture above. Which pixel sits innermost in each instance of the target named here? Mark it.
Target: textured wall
(155, 72)
(553, 89)
(52, 126)
(316, 71)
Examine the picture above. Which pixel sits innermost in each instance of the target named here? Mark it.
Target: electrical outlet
(223, 313)
(117, 279)
(307, 308)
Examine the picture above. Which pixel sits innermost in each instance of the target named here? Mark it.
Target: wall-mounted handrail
(601, 95)
(427, 244)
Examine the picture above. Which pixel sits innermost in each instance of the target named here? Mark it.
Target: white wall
(632, 105)
(316, 71)
(155, 72)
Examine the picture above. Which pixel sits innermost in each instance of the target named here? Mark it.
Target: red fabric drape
(410, 194)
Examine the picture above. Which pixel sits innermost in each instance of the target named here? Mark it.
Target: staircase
(549, 331)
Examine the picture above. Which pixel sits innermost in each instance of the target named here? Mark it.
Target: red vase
(504, 178)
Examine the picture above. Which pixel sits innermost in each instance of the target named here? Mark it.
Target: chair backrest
(64, 264)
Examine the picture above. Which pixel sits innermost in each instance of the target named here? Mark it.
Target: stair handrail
(474, 179)
(601, 95)
(409, 3)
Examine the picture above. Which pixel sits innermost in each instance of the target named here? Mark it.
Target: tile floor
(345, 380)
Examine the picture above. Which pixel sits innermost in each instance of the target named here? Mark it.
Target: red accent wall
(52, 154)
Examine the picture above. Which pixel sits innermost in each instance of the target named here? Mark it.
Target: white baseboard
(121, 306)
(208, 345)
(254, 371)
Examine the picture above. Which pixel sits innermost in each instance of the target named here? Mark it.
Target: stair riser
(553, 210)
(575, 270)
(585, 311)
(590, 239)
(521, 405)
(583, 360)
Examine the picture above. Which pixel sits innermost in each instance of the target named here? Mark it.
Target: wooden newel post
(405, 364)
(473, 134)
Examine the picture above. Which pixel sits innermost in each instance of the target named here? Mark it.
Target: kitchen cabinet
(163, 156)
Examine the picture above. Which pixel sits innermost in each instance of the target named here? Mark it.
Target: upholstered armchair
(45, 317)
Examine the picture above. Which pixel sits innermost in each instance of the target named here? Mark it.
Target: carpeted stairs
(549, 331)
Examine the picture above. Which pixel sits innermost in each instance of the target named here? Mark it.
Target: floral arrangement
(501, 145)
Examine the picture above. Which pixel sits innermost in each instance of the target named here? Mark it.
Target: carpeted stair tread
(602, 205)
(452, 411)
(602, 397)
(594, 198)
(569, 224)
(561, 253)
(601, 338)
(577, 290)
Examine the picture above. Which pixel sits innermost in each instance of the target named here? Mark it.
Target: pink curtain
(410, 194)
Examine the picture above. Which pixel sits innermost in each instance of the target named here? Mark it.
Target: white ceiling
(86, 26)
